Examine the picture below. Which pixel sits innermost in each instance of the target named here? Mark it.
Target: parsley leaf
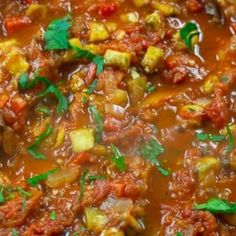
(57, 34)
(230, 146)
(151, 151)
(2, 198)
(96, 59)
(209, 137)
(217, 205)
(82, 183)
(118, 158)
(44, 110)
(179, 234)
(92, 87)
(95, 177)
(53, 215)
(150, 88)
(33, 149)
(99, 122)
(187, 33)
(14, 232)
(34, 180)
(49, 87)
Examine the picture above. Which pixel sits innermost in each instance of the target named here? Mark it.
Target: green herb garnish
(96, 59)
(2, 198)
(209, 137)
(85, 177)
(187, 33)
(44, 110)
(49, 88)
(151, 151)
(230, 146)
(53, 215)
(14, 232)
(57, 34)
(82, 183)
(34, 180)
(33, 149)
(92, 87)
(179, 234)
(217, 206)
(150, 88)
(99, 122)
(118, 158)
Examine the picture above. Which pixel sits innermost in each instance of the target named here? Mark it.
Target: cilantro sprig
(209, 137)
(85, 177)
(96, 59)
(33, 149)
(118, 158)
(231, 139)
(36, 179)
(99, 122)
(57, 34)
(216, 206)
(49, 88)
(151, 151)
(187, 32)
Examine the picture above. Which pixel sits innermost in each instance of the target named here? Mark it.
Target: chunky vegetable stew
(117, 118)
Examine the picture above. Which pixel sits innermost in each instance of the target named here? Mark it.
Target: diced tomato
(3, 100)
(105, 9)
(194, 5)
(28, 1)
(17, 104)
(112, 125)
(14, 23)
(80, 159)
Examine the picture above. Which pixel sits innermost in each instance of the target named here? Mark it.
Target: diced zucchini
(111, 26)
(153, 21)
(98, 32)
(164, 8)
(119, 97)
(210, 83)
(63, 177)
(82, 139)
(95, 219)
(7, 46)
(93, 48)
(152, 58)
(131, 17)
(16, 63)
(112, 232)
(75, 42)
(116, 58)
(120, 34)
(205, 164)
(36, 11)
(137, 88)
(141, 3)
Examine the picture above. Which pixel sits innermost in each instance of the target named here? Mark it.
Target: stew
(117, 117)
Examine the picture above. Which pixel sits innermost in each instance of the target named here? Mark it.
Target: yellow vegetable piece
(16, 63)
(112, 232)
(119, 97)
(163, 8)
(98, 32)
(36, 11)
(137, 88)
(116, 58)
(131, 17)
(152, 58)
(153, 21)
(75, 42)
(7, 46)
(210, 83)
(95, 219)
(141, 3)
(205, 164)
(82, 139)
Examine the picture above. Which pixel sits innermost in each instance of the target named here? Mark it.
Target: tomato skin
(104, 9)
(12, 24)
(80, 159)
(18, 104)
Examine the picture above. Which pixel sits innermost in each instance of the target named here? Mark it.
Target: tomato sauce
(117, 117)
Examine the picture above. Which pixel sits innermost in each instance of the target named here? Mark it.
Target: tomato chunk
(12, 24)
